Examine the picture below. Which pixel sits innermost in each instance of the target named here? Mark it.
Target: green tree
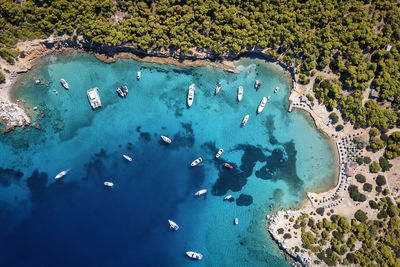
(374, 167)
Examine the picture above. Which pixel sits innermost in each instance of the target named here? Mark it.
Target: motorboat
(200, 192)
(262, 104)
(228, 197)
(120, 92)
(194, 255)
(245, 119)
(190, 95)
(138, 75)
(61, 174)
(64, 84)
(226, 165)
(257, 84)
(196, 162)
(269, 97)
(94, 98)
(276, 89)
(124, 89)
(173, 225)
(166, 139)
(127, 157)
(236, 221)
(109, 184)
(220, 151)
(240, 93)
(218, 88)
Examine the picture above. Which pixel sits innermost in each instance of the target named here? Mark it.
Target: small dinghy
(262, 104)
(64, 84)
(61, 174)
(127, 157)
(240, 93)
(245, 119)
(196, 162)
(200, 192)
(109, 184)
(276, 89)
(257, 84)
(190, 95)
(166, 139)
(194, 255)
(138, 75)
(220, 151)
(235, 221)
(120, 92)
(269, 97)
(173, 225)
(218, 88)
(226, 165)
(228, 197)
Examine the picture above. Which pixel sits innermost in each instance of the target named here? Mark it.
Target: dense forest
(357, 40)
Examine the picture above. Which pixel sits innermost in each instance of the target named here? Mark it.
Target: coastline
(34, 50)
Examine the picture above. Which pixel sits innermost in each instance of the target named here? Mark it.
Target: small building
(373, 94)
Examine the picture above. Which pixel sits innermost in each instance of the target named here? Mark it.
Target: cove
(276, 158)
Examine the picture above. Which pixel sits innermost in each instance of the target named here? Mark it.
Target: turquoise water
(75, 220)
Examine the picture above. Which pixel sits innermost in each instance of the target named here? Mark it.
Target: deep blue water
(76, 221)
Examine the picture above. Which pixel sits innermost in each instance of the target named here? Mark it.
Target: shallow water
(75, 220)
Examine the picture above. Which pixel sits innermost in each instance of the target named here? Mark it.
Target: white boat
(257, 84)
(240, 93)
(64, 84)
(127, 157)
(236, 221)
(190, 95)
(173, 225)
(108, 184)
(94, 98)
(196, 162)
(61, 174)
(220, 151)
(262, 104)
(276, 89)
(194, 255)
(228, 197)
(245, 119)
(138, 75)
(200, 192)
(218, 88)
(268, 98)
(166, 139)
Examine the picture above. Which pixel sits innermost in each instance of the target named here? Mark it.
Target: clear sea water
(77, 221)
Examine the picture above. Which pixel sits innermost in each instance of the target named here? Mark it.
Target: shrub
(287, 236)
(373, 204)
(376, 144)
(355, 195)
(384, 137)
(350, 257)
(334, 117)
(367, 160)
(2, 78)
(367, 187)
(382, 214)
(320, 211)
(385, 192)
(280, 231)
(374, 167)
(384, 164)
(310, 97)
(360, 178)
(380, 180)
(359, 160)
(339, 128)
(360, 216)
(373, 132)
(378, 189)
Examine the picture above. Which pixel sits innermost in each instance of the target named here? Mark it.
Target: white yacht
(236, 221)
(127, 157)
(166, 139)
(240, 93)
(173, 225)
(218, 88)
(276, 89)
(196, 162)
(220, 151)
(228, 197)
(194, 255)
(61, 174)
(262, 104)
(109, 184)
(245, 119)
(138, 75)
(94, 98)
(64, 84)
(200, 192)
(190, 95)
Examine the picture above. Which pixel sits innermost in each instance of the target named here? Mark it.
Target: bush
(373, 132)
(385, 192)
(2, 78)
(360, 216)
(373, 205)
(350, 257)
(382, 215)
(367, 187)
(310, 97)
(380, 180)
(376, 144)
(378, 189)
(367, 160)
(360, 178)
(280, 231)
(355, 195)
(384, 138)
(334, 117)
(374, 167)
(359, 160)
(287, 236)
(384, 164)
(339, 128)
(320, 211)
